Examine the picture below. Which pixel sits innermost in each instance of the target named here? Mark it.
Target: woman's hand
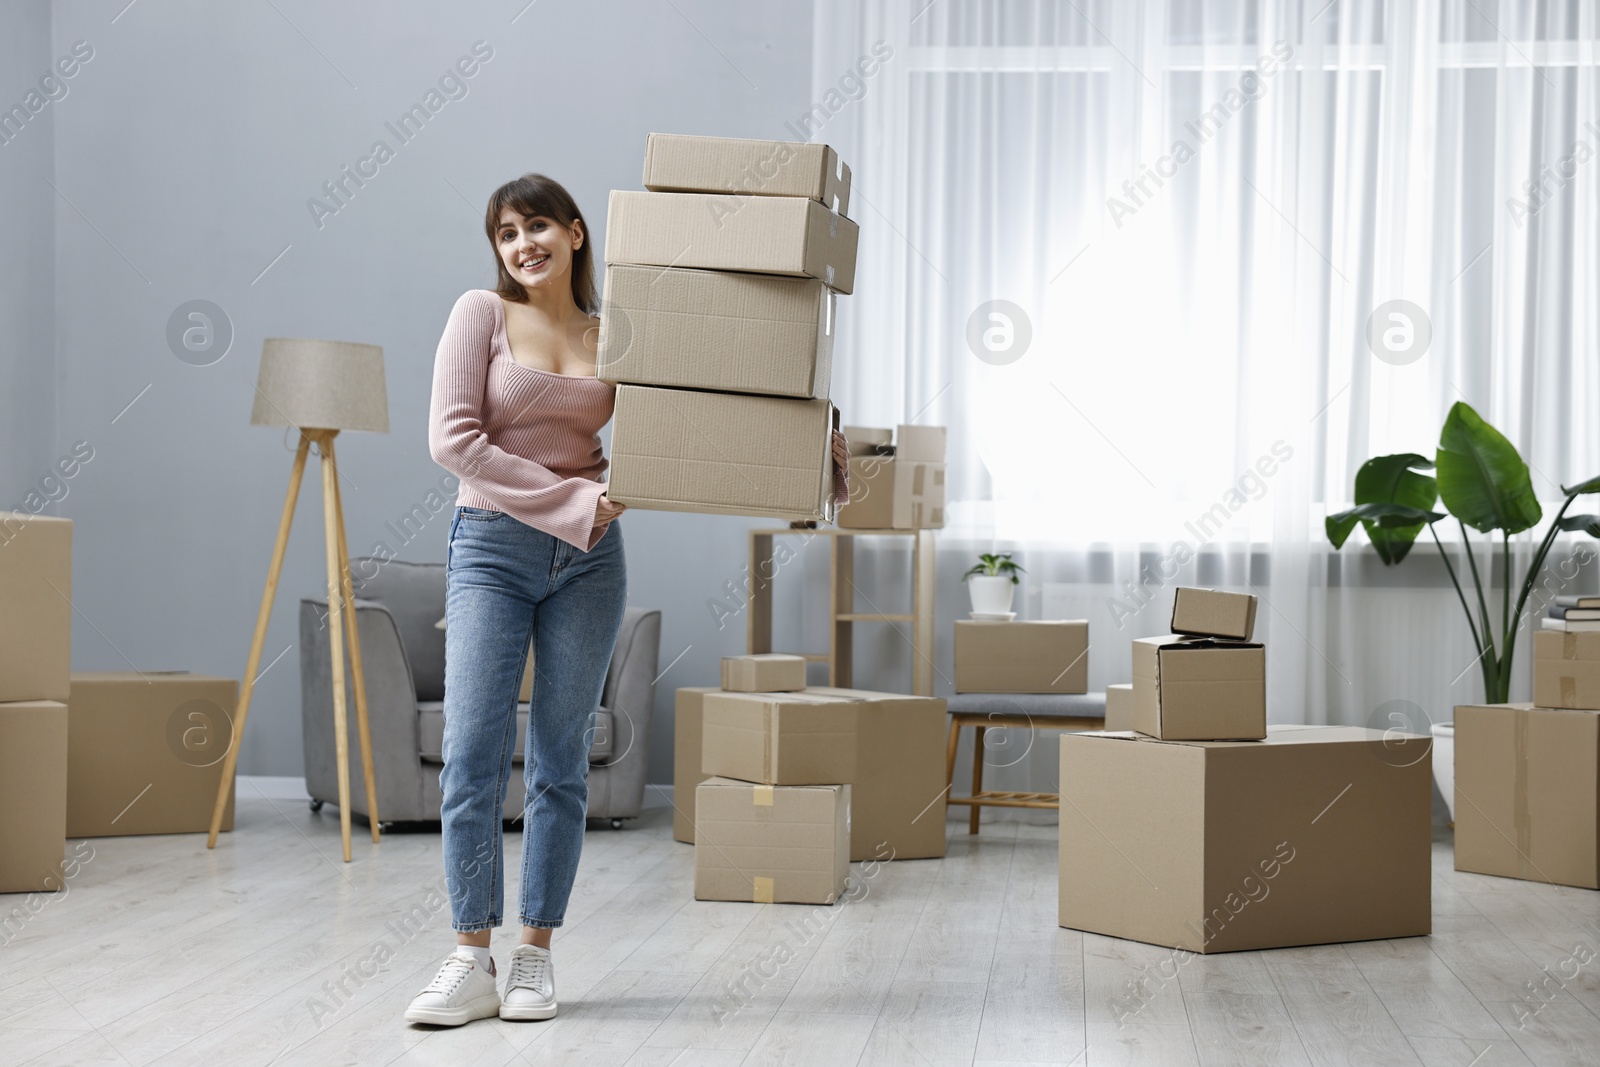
(606, 510)
(841, 469)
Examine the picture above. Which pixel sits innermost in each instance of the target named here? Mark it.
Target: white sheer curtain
(1195, 207)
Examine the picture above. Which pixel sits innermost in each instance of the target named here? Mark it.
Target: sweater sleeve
(525, 490)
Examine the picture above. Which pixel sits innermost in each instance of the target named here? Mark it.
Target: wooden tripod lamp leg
(336, 623)
(358, 677)
(247, 685)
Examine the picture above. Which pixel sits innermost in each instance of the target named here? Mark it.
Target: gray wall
(190, 144)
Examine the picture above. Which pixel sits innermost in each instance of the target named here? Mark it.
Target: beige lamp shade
(324, 385)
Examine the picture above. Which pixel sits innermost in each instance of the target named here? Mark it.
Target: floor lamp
(319, 388)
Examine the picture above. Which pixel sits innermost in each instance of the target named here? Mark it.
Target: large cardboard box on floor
(33, 794)
(771, 844)
(765, 234)
(35, 606)
(676, 163)
(897, 801)
(1213, 613)
(686, 772)
(872, 499)
(764, 672)
(145, 752)
(1119, 707)
(722, 453)
(1312, 836)
(1198, 689)
(717, 330)
(1527, 793)
(804, 738)
(1566, 669)
(1037, 656)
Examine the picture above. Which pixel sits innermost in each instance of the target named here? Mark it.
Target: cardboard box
(1048, 656)
(1119, 707)
(919, 444)
(35, 607)
(804, 738)
(767, 672)
(872, 484)
(686, 772)
(721, 453)
(717, 330)
(1198, 689)
(1566, 669)
(918, 495)
(33, 793)
(897, 801)
(765, 234)
(1526, 793)
(1315, 835)
(771, 844)
(1213, 613)
(675, 163)
(869, 440)
(145, 752)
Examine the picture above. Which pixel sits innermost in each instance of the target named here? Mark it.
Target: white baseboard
(272, 787)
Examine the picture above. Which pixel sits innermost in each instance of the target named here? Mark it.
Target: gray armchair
(402, 652)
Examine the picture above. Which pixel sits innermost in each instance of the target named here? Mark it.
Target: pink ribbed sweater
(523, 441)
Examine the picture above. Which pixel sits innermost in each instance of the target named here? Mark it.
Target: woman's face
(537, 251)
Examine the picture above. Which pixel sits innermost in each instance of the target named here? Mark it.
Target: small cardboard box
(872, 484)
(869, 440)
(1049, 656)
(919, 444)
(721, 453)
(767, 672)
(1119, 707)
(33, 794)
(35, 607)
(771, 844)
(1198, 689)
(676, 163)
(1566, 669)
(897, 801)
(1526, 793)
(717, 330)
(686, 772)
(918, 495)
(765, 234)
(1213, 613)
(1315, 835)
(145, 752)
(804, 738)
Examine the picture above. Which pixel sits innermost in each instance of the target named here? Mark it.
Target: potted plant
(1483, 483)
(990, 582)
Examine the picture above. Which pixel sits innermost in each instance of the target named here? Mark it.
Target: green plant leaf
(1482, 480)
(1589, 524)
(1395, 479)
(1590, 486)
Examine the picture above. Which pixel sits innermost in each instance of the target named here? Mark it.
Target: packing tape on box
(761, 889)
(1569, 690)
(1519, 792)
(761, 797)
(1569, 646)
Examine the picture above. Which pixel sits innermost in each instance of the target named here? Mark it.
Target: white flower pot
(990, 595)
(1444, 763)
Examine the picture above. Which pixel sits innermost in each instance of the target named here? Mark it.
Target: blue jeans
(507, 584)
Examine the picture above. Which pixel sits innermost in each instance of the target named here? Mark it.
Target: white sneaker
(530, 985)
(461, 992)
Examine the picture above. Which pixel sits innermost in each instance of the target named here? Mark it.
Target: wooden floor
(270, 950)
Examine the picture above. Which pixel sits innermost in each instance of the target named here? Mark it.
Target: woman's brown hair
(533, 195)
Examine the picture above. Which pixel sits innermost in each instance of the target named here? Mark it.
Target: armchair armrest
(630, 696)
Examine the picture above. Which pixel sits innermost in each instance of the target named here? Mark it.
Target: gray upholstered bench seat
(1066, 705)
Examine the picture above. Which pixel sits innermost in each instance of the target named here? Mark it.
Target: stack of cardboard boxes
(718, 326)
(1526, 779)
(35, 666)
(1208, 831)
(780, 786)
(896, 479)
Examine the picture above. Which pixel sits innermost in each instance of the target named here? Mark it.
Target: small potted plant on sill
(1483, 483)
(990, 582)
